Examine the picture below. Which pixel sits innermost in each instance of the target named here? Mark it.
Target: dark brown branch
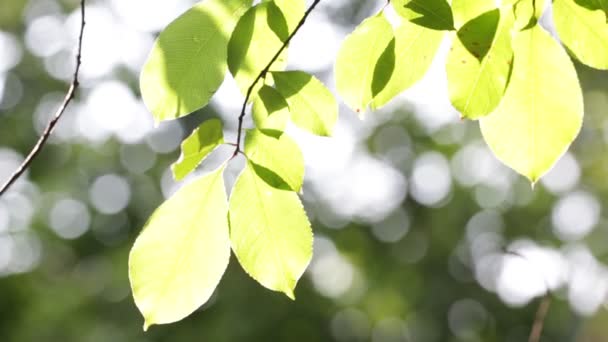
(539, 320)
(58, 114)
(263, 73)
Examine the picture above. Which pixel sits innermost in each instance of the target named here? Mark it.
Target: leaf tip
(147, 325)
(289, 293)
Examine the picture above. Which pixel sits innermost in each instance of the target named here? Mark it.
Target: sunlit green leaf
(479, 63)
(197, 147)
(281, 156)
(311, 104)
(542, 110)
(582, 26)
(356, 61)
(180, 256)
(270, 111)
(404, 62)
(257, 37)
(293, 10)
(465, 10)
(188, 60)
(433, 14)
(269, 231)
(527, 12)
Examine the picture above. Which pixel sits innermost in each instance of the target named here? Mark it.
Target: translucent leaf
(269, 231)
(479, 63)
(188, 60)
(527, 12)
(270, 111)
(278, 157)
(582, 26)
(311, 104)
(257, 37)
(357, 58)
(293, 10)
(542, 110)
(197, 147)
(433, 14)
(180, 256)
(465, 10)
(404, 62)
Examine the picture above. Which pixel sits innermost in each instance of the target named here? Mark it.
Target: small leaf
(188, 60)
(269, 231)
(197, 147)
(542, 110)
(356, 61)
(281, 156)
(404, 62)
(270, 111)
(180, 256)
(527, 12)
(479, 63)
(311, 104)
(582, 26)
(433, 14)
(258, 36)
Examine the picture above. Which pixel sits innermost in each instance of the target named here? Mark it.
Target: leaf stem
(263, 73)
(46, 134)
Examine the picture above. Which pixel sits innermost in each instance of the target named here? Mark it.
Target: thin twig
(263, 73)
(539, 320)
(55, 119)
(543, 306)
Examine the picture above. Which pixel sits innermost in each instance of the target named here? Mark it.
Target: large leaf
(257, 37)
(479, 63)
(465, 10)
(542, 110)
(270, 111)
(582, 26)
(188, 60)
(269, 231)
(404, 62)
(197, 147)
(279, 156)
(433, 14)
(311, 104)
(356, 61)
(180, 256)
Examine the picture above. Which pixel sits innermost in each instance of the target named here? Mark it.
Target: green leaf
(479, 63)
(281, 156)
(269, 231)
(270, 111)
(542, 110)
(527, 12)
(404, 62)
(582, 26)
(311, 104)
(465, 10)
(180, 256)
(258, 36)
(197, 147)
(357, 58)
(188, 60)
(293, 10)
(433, 14)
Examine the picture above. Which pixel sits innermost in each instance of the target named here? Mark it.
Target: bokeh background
(421, 235)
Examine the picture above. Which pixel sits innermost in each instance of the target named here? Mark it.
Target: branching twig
(263, 73)
(55, 119)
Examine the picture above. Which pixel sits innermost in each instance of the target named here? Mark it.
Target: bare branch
(58, 114)
(263, 73)
(539, 320)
